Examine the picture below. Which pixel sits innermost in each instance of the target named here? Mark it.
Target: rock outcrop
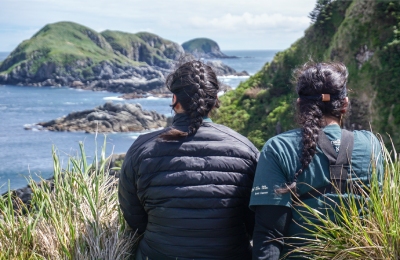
(222, 69)
(108, 118)
(204, 48)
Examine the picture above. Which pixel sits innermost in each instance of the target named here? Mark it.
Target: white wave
(69, 103)
(113, 98)
(233, 77)
(33, 127)
(153, 98)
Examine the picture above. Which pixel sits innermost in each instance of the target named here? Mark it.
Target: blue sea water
(29, 152)
(3, 55)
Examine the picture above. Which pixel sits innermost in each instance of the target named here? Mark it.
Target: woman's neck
(331, 120)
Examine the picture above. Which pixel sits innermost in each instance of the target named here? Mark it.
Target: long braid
(198, 108)
(312, 81)
(312, 122)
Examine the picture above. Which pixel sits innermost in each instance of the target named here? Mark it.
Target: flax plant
(366, 226)
(75, 216)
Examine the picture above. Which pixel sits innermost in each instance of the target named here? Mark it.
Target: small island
(204, 48)
(108, 118)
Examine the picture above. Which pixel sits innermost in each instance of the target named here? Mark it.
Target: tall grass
(363, 228)
(74, 217)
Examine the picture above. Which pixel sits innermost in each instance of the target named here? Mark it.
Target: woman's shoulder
(364, 136)
(232, 134)
(367, 140)
(145, 140)
(291, 138)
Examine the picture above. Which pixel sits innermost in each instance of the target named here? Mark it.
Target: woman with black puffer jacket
(186, 188)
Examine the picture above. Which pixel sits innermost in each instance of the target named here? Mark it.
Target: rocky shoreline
(137, 81)
(107, 118)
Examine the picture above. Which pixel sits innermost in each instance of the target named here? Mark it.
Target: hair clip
(325, 97)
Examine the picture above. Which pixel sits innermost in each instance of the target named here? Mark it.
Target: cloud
(267, 23)
(253, 22)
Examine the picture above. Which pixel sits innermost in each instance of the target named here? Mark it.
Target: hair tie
(320, 97)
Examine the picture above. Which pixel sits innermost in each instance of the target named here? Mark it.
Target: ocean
(27, 153)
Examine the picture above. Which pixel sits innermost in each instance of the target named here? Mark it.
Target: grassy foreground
(365, 228)
(77, 218)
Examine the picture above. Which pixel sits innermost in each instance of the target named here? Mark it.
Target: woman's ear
(178, 107)
(345, 105)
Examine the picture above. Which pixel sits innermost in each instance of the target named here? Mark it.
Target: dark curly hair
(195, 86)
(313, 80)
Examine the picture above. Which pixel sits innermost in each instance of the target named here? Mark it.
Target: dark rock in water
(108, 118)
(21, 198)
(222, 69)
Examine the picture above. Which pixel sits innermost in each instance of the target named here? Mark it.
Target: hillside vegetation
(362, 34)
(64, 52)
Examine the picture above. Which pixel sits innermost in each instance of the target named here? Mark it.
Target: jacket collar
(182, 119)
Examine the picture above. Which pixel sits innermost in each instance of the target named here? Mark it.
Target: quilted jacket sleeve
(132, 209)
(249, 215)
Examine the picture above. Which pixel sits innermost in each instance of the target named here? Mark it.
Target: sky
(234, 25)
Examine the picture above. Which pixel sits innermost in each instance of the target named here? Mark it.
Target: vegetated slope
(362, 34)
(204, 48)
(144, 47)
(64, 52)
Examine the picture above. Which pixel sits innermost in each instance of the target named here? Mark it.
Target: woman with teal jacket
(306, 161)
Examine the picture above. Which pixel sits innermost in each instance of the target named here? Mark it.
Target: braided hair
(312, 81)
(195, 86)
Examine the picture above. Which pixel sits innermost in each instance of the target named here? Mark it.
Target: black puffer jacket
(190, 197)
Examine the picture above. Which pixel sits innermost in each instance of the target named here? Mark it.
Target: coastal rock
(222, 69)
(204, 48)
(363, 55)
(108, 118)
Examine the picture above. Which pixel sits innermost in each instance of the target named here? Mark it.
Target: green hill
(65, 52)
(62, 43)
(203, 48)
(364, 35)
